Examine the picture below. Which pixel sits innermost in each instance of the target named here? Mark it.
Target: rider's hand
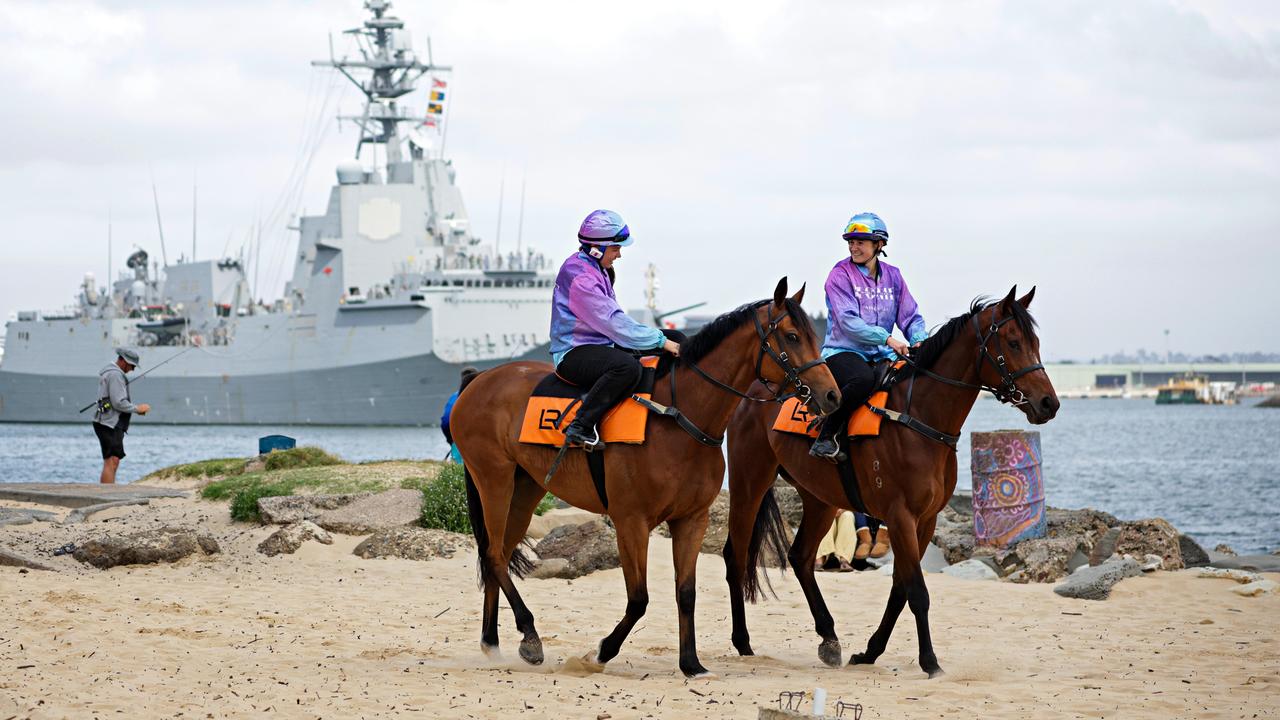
(143, 409)
(898, 346)
(671, 347)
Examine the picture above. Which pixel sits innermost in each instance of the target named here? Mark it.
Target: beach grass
(444, 500)
(202, 469)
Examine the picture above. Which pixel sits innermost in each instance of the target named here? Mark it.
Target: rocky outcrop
(972, 569)
(1095, 583)
(289, 538)
(956, 542)
(414, 543)
(386, 510)
(540, 525)
(1153, 536)
(789, 503)
(587, 547)
(551, 568)
(1044, 559)
(162, 545)
(13, 558)
(1192, 554)
(287, 509)
(1087, 523)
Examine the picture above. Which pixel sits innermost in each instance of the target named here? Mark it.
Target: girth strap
(683, 421)
(849, 481)
(595, 463)
(950, 441)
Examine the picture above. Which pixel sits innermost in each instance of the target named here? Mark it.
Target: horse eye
(792, 337)
(1014, 344)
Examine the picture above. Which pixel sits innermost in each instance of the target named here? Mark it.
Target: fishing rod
(127, 381)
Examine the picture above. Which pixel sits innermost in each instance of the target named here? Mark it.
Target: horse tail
(475, 511)
(769, 531)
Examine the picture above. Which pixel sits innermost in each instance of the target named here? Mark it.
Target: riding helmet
(866, 226)
(604, 228)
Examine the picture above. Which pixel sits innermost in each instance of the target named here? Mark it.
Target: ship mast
(395, 71)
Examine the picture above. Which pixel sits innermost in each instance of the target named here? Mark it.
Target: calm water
(1210, 470)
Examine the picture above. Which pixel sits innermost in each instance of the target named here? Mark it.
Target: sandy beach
(323, 633)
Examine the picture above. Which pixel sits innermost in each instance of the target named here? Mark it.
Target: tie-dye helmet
(866, 226)
(604, 228)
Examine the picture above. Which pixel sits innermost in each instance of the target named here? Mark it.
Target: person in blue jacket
(448, 410)
(591, 335)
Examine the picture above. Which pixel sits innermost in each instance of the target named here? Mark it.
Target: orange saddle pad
(554, 403)
(794, 418)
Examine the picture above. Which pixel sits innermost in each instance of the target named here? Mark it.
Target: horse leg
(525, 498)
(633, 554)
(686, 543)
(907, 572)
(748, 483)
(496, 506)
(897, 594)
(814, 525)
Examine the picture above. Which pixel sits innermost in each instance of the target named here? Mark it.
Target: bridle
(1008, 392)
(790, 372)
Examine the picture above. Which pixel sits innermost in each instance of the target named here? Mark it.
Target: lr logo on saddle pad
(549, 418)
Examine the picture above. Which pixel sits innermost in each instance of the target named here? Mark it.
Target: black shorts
(111, 440)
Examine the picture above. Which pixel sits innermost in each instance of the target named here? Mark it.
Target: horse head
(1009, 357)
(788, 338)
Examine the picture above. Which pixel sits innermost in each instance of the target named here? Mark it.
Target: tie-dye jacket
(861, 311)
(584, 311)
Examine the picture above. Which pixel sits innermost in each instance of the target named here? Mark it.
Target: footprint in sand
(583, 666)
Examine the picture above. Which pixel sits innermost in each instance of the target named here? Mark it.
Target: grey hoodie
(113, 386)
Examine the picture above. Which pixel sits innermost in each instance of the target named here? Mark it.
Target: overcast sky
(1123, 157)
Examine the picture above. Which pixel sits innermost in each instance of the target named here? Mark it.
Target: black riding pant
(610, 373)
(855, 377)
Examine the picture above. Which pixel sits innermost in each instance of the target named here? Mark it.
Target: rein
(790, 371)
(1008, 393)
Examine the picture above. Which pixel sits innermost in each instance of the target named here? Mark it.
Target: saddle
(794, 417)
(555, 401)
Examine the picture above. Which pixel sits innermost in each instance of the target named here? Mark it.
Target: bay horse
(671, 477)
(903, 476)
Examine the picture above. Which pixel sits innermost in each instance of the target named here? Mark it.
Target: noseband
(791, 373)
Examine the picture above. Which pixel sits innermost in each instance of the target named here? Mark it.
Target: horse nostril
(832, 399)
(1050, 403)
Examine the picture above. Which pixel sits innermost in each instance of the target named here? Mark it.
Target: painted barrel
(1008, 488)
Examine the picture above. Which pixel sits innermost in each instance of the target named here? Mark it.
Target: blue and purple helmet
(604, 228)
(866, 226)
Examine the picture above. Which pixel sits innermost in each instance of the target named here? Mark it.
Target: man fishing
(114, 408)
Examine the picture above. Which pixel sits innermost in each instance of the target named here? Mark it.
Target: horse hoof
(829, 653)
(935, 673)
(861, 659)
(703, 675)
(490, 651)
(531, 651)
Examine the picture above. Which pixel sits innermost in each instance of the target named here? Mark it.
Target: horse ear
(780, 292)
(1007, 303)
(1025, 300)
(799, 296)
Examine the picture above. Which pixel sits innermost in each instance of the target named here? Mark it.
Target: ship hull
(404, 391)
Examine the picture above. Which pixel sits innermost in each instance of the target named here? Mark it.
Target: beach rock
(540, 525)
(588, 547)
(1044, 559)
(961, 504)
(1257, 587)
(551, 568)
(1151, 563)
(934, 560)
(287, 509)
(1095, 583)
(413, 543)
(162, 545)
(1240, 576)
(1086, 523)
(289, 538)
(1192, 554)
(1256, 563)
(717, 526)
(13, 558)
(955, 542)
(972, 569)
(1105, 546)
(389, 509)
(1224, 549)
(23, 516)
(1153, 536)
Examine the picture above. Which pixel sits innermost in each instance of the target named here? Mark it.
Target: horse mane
(931, 349)
(715, 332)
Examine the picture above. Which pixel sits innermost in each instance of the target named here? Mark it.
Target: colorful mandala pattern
(1008, 489)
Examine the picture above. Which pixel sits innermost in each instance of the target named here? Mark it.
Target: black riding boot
(584, 433)
(827, 444)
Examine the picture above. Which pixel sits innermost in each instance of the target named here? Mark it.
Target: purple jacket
(862, 311)
(584, 311)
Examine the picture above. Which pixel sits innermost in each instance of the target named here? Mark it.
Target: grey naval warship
(391, 295)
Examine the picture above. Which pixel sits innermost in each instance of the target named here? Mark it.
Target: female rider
(590, 333)
(865, 299)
